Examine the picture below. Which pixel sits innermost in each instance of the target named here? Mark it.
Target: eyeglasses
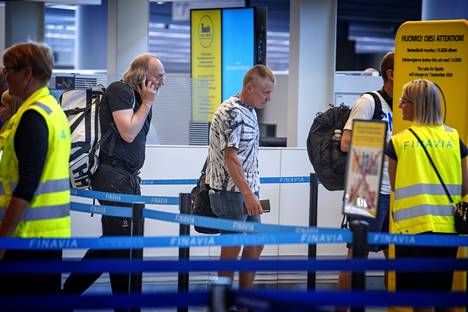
(161, 78)
(402, 101)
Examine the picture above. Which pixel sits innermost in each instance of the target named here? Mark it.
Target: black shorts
(435, 280)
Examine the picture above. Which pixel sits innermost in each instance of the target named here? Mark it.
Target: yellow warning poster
(205, 41)
(437, 51)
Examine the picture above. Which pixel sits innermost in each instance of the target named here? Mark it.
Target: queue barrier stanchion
(220, 294)
(312, 248)
(359, 229)
(185, 203)
(138, 227)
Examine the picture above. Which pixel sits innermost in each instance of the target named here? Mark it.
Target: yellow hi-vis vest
(421, 204)
(48, 214)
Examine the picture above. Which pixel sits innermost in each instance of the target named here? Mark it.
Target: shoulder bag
(201, 202)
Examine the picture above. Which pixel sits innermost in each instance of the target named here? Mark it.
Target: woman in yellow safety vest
(421, 204)
(34, 178)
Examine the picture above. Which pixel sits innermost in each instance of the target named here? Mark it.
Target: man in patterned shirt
(232, 170)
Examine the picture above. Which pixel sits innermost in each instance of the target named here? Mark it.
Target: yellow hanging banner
(205, 41)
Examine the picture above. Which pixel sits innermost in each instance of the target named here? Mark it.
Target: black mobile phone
(265, 205)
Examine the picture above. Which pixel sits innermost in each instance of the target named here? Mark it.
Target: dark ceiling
(366, 30)
(379, 11)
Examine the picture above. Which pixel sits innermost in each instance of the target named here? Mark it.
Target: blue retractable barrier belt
(169, 182)
(126, 198)
(113, 211)
(135, 266)
(417, 240)
(125, 242)
(263, 180)
(240, 226)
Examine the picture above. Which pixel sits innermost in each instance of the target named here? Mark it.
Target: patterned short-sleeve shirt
(234, 125)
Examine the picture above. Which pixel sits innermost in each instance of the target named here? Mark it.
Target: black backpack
(328, 160)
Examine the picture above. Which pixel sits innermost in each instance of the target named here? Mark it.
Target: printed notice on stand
(435, 55)
(364, 168)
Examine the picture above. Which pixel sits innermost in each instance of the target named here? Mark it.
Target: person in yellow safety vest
(34, 176)
(421, 204)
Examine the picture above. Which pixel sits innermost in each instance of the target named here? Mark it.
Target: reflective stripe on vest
(422, 189)
(422, 210)
(44, 107)
(43, 213)
(51, 186)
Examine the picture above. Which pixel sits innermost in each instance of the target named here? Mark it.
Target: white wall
(348, 87)
(127, 34)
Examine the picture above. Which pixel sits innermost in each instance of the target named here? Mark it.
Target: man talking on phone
(232, 170)
(126, 110)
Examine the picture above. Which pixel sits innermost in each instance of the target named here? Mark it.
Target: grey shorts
(230, 205)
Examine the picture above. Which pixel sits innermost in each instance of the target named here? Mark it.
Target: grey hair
(425, 97)
(138, 69)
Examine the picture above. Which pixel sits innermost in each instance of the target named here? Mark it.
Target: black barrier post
(313, 204)
(185, 203)
(220, 294)
(138, 227)
(359, 229)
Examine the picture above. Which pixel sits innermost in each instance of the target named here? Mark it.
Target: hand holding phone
(147, 92)
(265, 203)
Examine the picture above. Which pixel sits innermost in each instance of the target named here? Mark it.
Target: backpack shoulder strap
(378, 114)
